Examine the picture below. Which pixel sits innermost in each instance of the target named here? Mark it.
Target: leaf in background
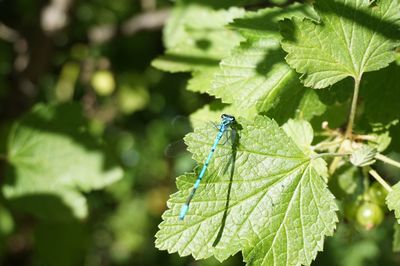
(363, 156)
(393, 201)
(201, 80)
(396, 237)
(256, 70)
(299, 103)
(350, 248)
(6, 222)
(352, 37)
(127, 225)
(345, 182)
(7, 226)
(268, 202)
(301, 132)
(196, 38)
(52, 161)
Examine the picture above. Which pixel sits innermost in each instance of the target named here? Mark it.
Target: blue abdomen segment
(227, 120)
(183, 212)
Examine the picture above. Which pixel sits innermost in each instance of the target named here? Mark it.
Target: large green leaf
(353, 37)
(299, 103)
(196, 38)
(52, 161)
(262, 196)
(255, 73)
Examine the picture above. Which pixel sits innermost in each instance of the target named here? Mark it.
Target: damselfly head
(228, 118)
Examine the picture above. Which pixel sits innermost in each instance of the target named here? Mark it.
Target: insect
(226, 123)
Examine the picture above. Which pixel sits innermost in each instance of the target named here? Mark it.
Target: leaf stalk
(329, 154)
(380, 180)
(353, 109)
(350, 124)
(387, 160)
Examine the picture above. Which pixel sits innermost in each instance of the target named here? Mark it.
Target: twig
(8, 34)
(146, 21)
(380, 180)
(329, 154)
(387, 160)
(350, 124)
(327, 144)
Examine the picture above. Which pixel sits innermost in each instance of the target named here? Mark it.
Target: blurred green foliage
(122, 119)
(128, 108)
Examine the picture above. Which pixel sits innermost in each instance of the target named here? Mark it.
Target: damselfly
(226, 123)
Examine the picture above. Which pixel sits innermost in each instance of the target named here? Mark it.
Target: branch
(151, 20)
(380, 180)
(387, 160)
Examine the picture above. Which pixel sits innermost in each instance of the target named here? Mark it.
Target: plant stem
(329, 154)
(324, 145)
(380, 180)
(350, 124)
(387, 160)
(353, 109)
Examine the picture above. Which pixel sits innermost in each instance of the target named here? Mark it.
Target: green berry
(377, 193)
(369, 215)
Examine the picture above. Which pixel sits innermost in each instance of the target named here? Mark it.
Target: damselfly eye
(230, 118)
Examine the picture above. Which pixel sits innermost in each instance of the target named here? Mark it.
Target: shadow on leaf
(231, 167)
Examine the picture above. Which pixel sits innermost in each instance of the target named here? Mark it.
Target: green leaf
(299, 103)
(352, 37)
(363, 156)
(309, 106)
(201, 80)
(6, 223)
(381, 136)
(301, 133)
(256, 70)
(124, 220)
(345, 182)
(264, 22)
(52, 161)
(264, 198)
(393, 201)
(196, 38)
